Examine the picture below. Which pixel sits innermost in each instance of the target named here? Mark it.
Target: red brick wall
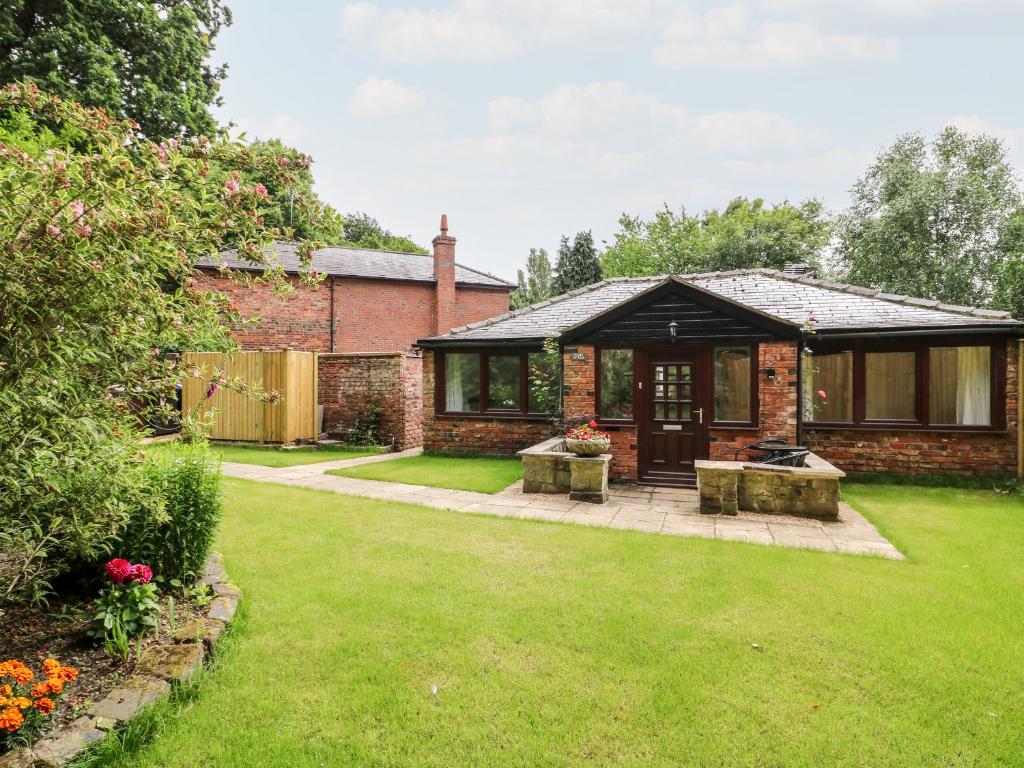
(348, 384)
(926, 453)
(369, 315)
(474, 435)
(299, 320)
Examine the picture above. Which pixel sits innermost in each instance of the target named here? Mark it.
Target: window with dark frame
(734, 384)
(903, 385)
(615, 384)
(490, 383)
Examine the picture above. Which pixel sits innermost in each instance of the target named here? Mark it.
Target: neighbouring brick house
(683, 368)
(363, 320)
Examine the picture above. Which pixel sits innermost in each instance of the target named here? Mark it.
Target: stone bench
(726, 487)
(549, 468)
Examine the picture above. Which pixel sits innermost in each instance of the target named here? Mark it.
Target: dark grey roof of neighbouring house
(361, 262)
(790, 298)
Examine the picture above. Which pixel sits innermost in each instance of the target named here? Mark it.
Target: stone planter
(549, 468)
(809, 491)
(593, 447)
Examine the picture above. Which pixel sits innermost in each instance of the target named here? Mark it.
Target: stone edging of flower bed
(157, 667)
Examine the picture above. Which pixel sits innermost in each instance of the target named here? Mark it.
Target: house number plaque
(577, 355)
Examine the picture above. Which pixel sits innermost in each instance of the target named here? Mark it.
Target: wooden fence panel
(238, 417)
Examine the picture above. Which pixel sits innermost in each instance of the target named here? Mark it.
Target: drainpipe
(800, 390)
(331, 300)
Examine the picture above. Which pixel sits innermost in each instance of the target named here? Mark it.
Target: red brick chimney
(444, 277)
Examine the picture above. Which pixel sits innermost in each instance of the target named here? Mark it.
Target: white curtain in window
(973, 390)
(453, 365)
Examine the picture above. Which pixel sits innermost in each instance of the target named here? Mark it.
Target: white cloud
(572, 109)
(730, 38)
(492, 30)
(376, 97)
(751, 129)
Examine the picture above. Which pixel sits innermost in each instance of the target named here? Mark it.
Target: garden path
(670, 511)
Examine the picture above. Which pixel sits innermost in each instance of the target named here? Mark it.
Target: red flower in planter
(593, 425)
(118, 570)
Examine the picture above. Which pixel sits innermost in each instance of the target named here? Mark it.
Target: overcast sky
(527, 119)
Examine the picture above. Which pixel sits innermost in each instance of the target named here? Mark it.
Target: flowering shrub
(129, 606)
(100, 230)
(27, 701)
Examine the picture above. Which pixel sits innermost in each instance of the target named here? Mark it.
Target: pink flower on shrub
(83, 230)
(211, 390)
(142, 573)
(77, 208)
(260, 191)
(118, 570)
(822, 394)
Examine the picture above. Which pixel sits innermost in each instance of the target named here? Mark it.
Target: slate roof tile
(362, 262)
(788, 297)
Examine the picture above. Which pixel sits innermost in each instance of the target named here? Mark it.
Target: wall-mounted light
(672, 329)
(769, 373)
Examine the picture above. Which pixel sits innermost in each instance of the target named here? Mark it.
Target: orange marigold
(67, 673)
(40, 689)
(21, 674)
(50, 666)
(46, 706)
(54, 685)
(11, 719)
(6, 690)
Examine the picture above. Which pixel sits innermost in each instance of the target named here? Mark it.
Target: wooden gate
(238, 417)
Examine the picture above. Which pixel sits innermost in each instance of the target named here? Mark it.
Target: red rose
(593, 425)
(118, 570)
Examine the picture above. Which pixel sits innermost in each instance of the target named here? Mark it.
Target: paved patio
(669, 511)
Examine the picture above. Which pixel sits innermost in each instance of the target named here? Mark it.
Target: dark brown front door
(673, 431)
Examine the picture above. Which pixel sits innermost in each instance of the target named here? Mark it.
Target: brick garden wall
(926, 452)
(348, 384)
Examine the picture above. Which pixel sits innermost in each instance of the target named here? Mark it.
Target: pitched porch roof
(795, 301)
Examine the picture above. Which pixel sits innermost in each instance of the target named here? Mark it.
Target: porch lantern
(672, 329)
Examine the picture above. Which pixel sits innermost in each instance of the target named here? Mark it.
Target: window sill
(734, 427)
(477, 416)
(810, 427)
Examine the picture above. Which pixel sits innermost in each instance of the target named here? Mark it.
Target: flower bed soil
(59, 630)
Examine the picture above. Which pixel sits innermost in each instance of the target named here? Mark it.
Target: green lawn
(559, 645)
(270, 456)
(484, 474)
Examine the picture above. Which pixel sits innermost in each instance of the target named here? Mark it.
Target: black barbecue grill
(777, 452)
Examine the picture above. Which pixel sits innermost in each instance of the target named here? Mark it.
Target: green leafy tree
(535, 283)
(577, 265)
(939, 220)
(746, 234)
(142, 59)
(295, 205)
(99, 248)
(364, 231)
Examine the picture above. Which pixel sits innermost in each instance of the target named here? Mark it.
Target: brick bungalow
(699, 366)
(363, 320)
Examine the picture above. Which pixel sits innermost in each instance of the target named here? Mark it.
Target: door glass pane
(503, 383)
(462, 382)
(828, 387)
(672, 392)
(659, 373)
(890, 385)
(659, 410)
(617, 384)
(684, 372)
(659, 390)
(544, 383)
(673, 412)
(960, 385)
(684, 410)
(732, 384)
